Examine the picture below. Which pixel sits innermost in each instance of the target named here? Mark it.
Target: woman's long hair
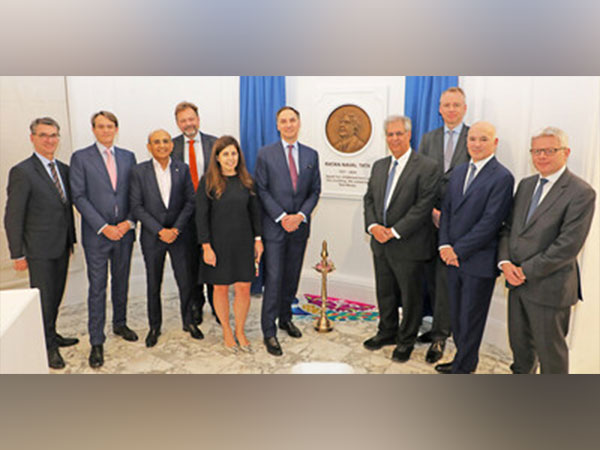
(215, 181)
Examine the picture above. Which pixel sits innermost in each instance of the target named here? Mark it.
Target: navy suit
(284, 251)
(470, 223)
(208, 141)
(147, 206)
(100, 204)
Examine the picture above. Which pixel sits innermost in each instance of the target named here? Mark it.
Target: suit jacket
(38, 224)
(432, 145)
(94, 196)
(207, 144)
(547, 246)
(147, 204)
(470, 223)
(274, 186)
(409, 209)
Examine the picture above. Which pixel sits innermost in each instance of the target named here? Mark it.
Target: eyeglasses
(48, 136)
(545, 151)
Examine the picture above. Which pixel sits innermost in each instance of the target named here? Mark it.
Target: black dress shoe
(425, 338)
(445, 368)
(96, 356)
(402, 353)
(66, 341)
(378, 341)
(55, 361)
(273, 346)
(197, 315)
(152, 337)
(193, 330)
(435, 352)
(126, 333)
(291, 329)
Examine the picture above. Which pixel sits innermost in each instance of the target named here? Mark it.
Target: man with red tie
(289, 184)
(194, 148)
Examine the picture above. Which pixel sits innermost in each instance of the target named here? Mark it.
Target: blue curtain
(260, 98)
(421, 104)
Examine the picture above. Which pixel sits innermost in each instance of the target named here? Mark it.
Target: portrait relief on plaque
(348, 129)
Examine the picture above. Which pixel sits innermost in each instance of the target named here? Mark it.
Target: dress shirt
(456, 134)
(198, 150)
(479, 165)
(45, 162)
(551, 180)
(163, 178)
(102, 149)
(399, 169)
(295, 152)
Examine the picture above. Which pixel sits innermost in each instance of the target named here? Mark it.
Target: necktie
(471, 176)
(111, 168)
(388, 191)
(63, 198)
(193, 165)
(292, 164)
(449, 150)
(536, 198)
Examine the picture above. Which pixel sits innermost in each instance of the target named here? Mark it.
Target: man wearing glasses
(39, 227)
(551, 218)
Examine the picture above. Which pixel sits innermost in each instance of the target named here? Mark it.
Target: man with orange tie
(194, 148)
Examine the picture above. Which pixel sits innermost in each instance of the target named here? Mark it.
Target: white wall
(340, 221)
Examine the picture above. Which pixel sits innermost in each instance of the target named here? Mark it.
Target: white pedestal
(22, 342)
(320, 367)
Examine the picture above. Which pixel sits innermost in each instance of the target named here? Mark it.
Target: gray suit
(436, 272)
(399, 262)
(546, 248)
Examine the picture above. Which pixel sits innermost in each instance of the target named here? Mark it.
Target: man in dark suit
(39, 227)
(194, 148)
(289, 184)
(100, 187)
(447, 145)
(550, 221)
(397, 208)
(162, 199)
(477, 202)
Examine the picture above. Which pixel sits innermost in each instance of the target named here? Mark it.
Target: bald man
(162, 199)
(477, 201)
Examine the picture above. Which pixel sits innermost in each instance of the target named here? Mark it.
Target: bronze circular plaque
(348, 128)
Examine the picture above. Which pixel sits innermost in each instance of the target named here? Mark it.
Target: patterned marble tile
(177, 352)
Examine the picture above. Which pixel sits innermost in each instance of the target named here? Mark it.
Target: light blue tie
(535, 200)
(388, 189)
(471, 176)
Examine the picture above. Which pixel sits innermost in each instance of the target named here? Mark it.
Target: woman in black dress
(229, 230)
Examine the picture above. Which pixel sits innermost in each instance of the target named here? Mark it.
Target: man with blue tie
(477, 202)
(397, 210)
(448, 146)
(289, 184)
(100, 188)
(550, 221)
(40, 229)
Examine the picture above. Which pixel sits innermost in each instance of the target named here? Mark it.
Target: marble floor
(177, 352)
